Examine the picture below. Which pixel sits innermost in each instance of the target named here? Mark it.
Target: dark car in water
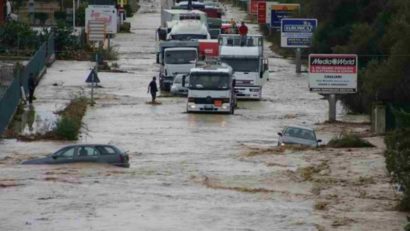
(85, 153)
(298, 135)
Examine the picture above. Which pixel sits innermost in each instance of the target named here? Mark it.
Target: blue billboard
(297, 32)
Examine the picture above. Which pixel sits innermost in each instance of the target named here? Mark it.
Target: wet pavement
(187, 170)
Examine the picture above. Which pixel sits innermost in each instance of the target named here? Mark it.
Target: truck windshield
(209, 81)
(242, 65)
(188, 36)
(180, 57)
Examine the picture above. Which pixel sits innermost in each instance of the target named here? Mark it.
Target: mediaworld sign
(297, 32)
(333, 73)
(280, 11)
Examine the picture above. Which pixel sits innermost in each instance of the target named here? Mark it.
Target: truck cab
(245, 56)
(211, 89)
(188, 30)
(176, 57)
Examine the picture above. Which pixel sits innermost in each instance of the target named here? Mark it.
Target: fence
(12, 94)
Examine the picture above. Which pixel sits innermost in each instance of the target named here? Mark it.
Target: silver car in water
(178, 88)
(298, 135)
(91, 153)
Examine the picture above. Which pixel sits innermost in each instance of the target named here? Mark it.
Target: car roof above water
(300, 127)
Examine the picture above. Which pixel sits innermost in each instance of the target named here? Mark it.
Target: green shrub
(349, 141)
(69, 125)
(398, 162)
(67, 128)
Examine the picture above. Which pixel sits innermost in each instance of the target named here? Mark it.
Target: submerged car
(298, 135)
(91, 153)
(178, 88)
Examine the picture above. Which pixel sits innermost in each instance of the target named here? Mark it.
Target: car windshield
(180, 57)
(242, 65)
(188, 36)
(178, 79)
(300, 133)
(209, 81)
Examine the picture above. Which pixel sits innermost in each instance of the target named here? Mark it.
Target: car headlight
(192, 105)
(225, 106)
(282, 144)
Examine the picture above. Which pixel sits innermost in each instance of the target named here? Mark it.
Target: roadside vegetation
(69, 125)
(345, 140)
(398, 163)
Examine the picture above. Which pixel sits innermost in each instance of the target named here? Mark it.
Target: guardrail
(11, 95)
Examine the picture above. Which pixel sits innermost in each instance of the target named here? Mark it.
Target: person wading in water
(152, 88)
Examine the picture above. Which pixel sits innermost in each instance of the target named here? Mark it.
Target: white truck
(176, 57)
(245, 56)
(170, 17)
(211, 89)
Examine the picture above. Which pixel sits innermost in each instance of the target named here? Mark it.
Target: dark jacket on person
(31, 83)
(153, 86)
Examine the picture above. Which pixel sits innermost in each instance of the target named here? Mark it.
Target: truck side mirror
(183, 80)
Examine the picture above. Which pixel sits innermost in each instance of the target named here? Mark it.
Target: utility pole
(73, 15)
(298, 60)
(332, 107)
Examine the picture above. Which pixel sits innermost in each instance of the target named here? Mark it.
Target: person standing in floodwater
(152, 88)
(31, 87)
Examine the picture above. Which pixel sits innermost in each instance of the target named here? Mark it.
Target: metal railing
(11, 94)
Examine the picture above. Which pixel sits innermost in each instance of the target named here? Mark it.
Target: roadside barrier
(11, 95)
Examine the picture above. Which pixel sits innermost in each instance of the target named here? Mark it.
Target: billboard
(279, 11)
(269, 10)
(253, 6)
(107, 13)
(333, 73)
(261, 12)
(297, 32)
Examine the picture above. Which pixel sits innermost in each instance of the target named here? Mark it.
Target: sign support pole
(332, 107)
(92, 77)
(298, 60)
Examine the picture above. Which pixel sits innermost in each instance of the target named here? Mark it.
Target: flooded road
(188, 171)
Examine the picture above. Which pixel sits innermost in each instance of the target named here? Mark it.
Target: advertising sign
(269, 10)
(333, 73)
(107, 13)
(253, 6)
(297, 32)
(280, 11)
(96, 30)
(262, 12)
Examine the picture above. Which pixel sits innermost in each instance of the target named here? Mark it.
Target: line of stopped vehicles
(201, 56)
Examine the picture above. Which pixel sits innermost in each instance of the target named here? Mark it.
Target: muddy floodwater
(189, 171)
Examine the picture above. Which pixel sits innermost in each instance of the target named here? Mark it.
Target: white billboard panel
(333, 73)
(107, 13)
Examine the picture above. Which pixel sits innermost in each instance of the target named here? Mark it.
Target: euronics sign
(333, 73)
(297, 32)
